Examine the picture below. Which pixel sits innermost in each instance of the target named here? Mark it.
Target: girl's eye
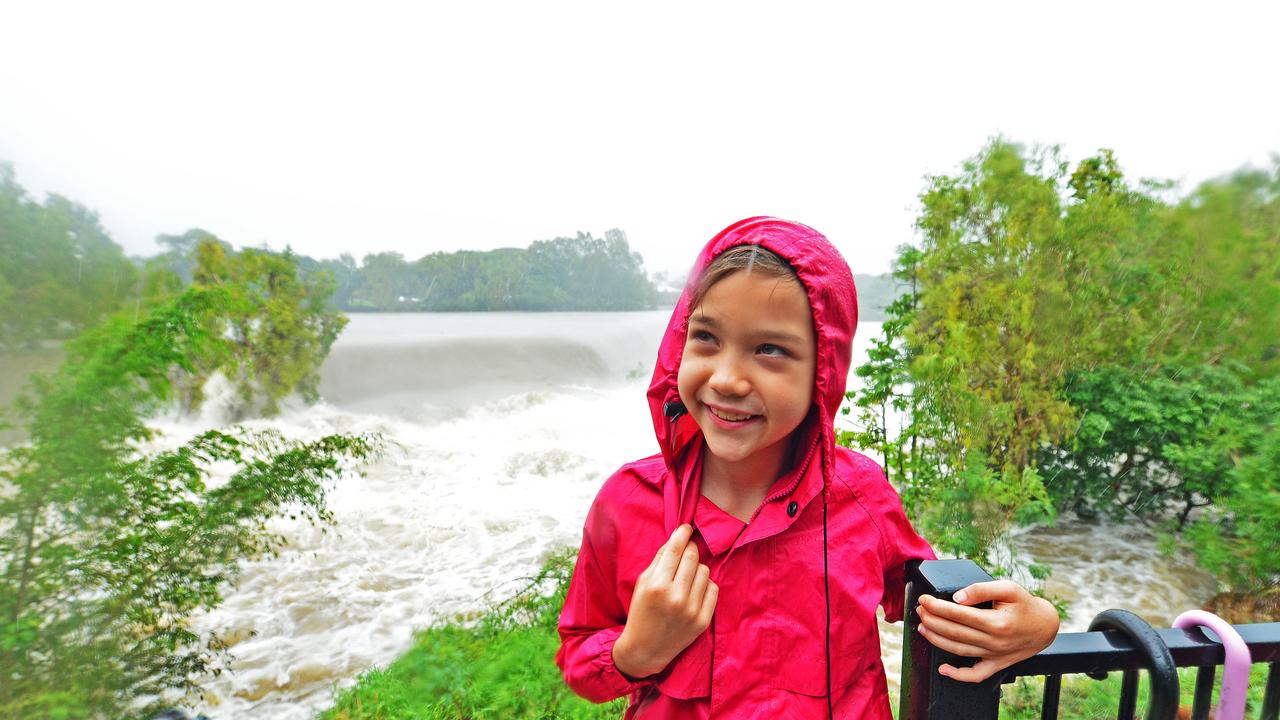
(703, 336)
(773, 350)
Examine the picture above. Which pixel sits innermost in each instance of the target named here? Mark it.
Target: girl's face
(746, 375)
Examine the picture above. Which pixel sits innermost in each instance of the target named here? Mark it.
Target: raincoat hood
(828, 284)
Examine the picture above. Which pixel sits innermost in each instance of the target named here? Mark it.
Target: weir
(1128, 645)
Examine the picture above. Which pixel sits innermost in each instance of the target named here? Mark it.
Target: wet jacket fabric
(765, 653)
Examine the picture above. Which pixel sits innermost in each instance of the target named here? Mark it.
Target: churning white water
(500, 429)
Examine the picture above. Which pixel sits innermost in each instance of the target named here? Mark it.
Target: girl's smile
(728, 418)
(746, 374)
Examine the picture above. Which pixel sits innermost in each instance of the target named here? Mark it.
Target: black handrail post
(926, 695)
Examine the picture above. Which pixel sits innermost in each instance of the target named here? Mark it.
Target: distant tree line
(577, 273)
(564, 273)
(61, 272)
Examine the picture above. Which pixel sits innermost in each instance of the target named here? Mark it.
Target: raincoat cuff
(600, 647)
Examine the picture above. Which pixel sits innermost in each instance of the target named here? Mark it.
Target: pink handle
(1235, 670)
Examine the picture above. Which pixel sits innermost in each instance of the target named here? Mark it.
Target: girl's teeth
(731, 418)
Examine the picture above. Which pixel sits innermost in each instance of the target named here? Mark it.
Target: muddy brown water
(16, 369)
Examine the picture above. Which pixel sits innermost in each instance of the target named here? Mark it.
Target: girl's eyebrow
(780, 336)
(775, 335)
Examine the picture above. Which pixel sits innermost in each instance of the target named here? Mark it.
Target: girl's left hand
(1017, 627)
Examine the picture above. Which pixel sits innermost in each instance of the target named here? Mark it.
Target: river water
(501, 427)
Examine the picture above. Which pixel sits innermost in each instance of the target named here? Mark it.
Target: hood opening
(829, 288)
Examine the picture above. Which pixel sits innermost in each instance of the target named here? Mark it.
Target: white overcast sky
(418, 127)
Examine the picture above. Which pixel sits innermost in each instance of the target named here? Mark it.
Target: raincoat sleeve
(592, 620)
(900, 544)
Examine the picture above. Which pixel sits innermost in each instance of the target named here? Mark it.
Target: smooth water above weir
(500, 429)
(428, 366)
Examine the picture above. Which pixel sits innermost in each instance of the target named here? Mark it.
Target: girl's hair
(749, 258)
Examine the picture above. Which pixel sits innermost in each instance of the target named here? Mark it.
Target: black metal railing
(1122, 642)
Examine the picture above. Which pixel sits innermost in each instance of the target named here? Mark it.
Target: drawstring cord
(826, 594)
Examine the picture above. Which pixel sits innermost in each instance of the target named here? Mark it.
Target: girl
(737, 573)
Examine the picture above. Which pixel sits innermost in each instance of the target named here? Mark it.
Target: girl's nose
(728, 379)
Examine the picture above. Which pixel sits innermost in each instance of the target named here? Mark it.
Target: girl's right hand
(672, 604)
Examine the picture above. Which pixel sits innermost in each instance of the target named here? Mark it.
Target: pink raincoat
(765, 653)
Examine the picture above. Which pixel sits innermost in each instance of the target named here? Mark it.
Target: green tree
(1239, 539)
(1023, 279)
(1076, 342)
(886, 380)
(346, 276)
(1225, 238)
(1155, 445)
(279, 321)
(385, 278)
(989, 339)
(181, 251)
(60, 272)
(104, 552)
